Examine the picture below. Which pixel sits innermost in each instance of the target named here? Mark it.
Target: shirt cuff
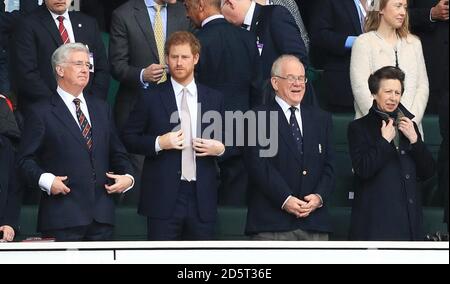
(157, 146)
(431, 18)
(45, 182)
(349, 42)
(141, 77)
(132, 183)
(284, 203)
(321, 200)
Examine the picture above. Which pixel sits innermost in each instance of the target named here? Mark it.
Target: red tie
(62, 30)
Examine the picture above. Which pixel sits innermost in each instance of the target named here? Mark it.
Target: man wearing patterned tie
(180, 176)
(71, 152)
(39, 35)
(289, 192)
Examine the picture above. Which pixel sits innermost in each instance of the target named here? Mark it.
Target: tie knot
(158, 8)
(60, 19)
(293, 109)
(77, 102)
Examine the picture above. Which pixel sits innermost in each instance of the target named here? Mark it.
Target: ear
(59, 71)
(274, 83)
(196, 58)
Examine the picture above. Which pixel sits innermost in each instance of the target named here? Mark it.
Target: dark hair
(182, 37)
(386, 73)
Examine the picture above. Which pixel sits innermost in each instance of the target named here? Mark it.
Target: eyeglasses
(80, 64)
(291, 79)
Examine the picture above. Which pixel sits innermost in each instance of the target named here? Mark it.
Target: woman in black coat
(388, 157)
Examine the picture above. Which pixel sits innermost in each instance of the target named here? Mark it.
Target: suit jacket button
(304, 173)
(407, 176)
(411, 201)
(179, 173)
(402, 152)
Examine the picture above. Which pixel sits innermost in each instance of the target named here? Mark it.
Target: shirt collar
(249, 16)
(68, 98)
(177, 87)
(151, 3)
(65, 15)
(211, 18)
(284, 105)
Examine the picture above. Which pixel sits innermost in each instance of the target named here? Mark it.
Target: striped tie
(62, 30)
(159, 38)
(86, 130)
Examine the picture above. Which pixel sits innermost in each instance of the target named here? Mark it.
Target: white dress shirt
(67, 24)
(249, 16)
(192, 100)
(211, 18)
(287, 112)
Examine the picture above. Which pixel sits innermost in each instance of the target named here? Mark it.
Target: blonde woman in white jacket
(388, 42)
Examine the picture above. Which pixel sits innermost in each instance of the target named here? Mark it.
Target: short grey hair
(276, 66)
(61, 54)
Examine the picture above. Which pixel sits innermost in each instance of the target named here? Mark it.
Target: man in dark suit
(39, 35)
(69, 150)
(291, 187)
(137, 55)
(180, 176)
(9, 191)
(133, 49)
(275, 30)
(222, 46)
(338, 23)
(429, 20)
(7, 23)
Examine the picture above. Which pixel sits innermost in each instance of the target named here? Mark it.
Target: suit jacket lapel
(49, 24)
(167, 96)
(285, 131)
(77, 27)
(255, 19)
(353, 14)
(308, 133)
(63, 114)
(143, 20)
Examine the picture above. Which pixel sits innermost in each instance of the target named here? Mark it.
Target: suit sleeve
(12, 208)
(134, 135)
(286, 34)
(323, 31)
(119, 53)
(266, 178)
(30, 145)
(328, 177)
(100, 83)
(368, 157)
(425, 165)
(27, 62)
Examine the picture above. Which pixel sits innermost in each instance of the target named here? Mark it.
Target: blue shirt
(152, 13)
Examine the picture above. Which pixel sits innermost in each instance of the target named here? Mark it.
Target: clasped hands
(302, 208)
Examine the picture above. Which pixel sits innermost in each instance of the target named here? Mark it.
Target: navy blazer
(161, 174)
(276, 30)
(52, 143)
(335, 20)
(230, 63)
(289, 173)
(9, 191)
(36, 38)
